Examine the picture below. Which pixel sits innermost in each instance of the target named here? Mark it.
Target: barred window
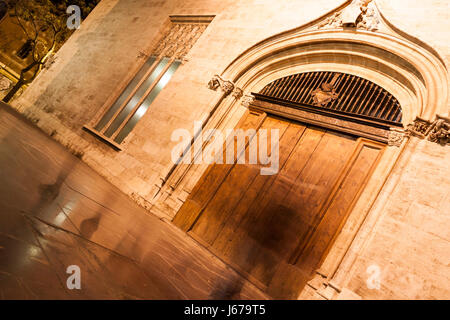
(116, 121)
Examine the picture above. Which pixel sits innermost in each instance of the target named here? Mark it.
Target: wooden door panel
(228, 195)
(283, 181)
(256, 242)
(258, 187)
(277, 229)
(313, 187)
(211, 180)
(291, 277)
(365, 158)
(276, 226)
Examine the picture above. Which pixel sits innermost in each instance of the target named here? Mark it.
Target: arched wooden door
(277, 229)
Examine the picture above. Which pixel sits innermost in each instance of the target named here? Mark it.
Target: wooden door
(276, 229)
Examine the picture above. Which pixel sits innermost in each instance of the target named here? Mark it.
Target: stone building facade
(395, 232)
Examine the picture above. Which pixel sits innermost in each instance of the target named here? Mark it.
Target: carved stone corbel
(247, 100)
(217, 82)
(418, 128)
(237, 93)
(437, 131)
(396, 137)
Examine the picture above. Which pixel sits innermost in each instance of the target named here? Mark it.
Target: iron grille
(340, 92)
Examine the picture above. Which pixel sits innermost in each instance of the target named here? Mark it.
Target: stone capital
(217, 82)
(237, 93)
(437, 131)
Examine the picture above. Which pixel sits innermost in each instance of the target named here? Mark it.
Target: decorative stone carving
(179, 39)
(351, 13)
(247, 100)
(214, 83)
(184, 60)
(369, 21)
(227, 87)
(418, 128)
(217, 82)
(237, 93)
(326, 93)
(142, 55)
(332, 22)
(359, 14)
(440, 131)
(437, 131)
(395, 137)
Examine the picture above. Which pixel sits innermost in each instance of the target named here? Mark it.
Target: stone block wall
(409, 240)
(107, 49)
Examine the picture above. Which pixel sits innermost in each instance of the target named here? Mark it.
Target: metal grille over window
(338, 93)
(118, 120)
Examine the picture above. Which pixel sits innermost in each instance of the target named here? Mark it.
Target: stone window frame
(112, 124)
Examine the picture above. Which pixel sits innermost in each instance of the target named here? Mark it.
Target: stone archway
(403, 66)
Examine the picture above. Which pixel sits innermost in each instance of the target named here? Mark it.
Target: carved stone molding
(437, 131)
(247, 100)
(217, 82)
(179, 39)
(418, 128)
(396, 137)
(359, 14)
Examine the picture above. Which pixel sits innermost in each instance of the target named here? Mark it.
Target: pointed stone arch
(415, 75)
(404, 66)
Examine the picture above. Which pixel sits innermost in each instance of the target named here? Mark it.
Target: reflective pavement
(56, 212)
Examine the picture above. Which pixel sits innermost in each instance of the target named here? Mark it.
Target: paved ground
(56, 212)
